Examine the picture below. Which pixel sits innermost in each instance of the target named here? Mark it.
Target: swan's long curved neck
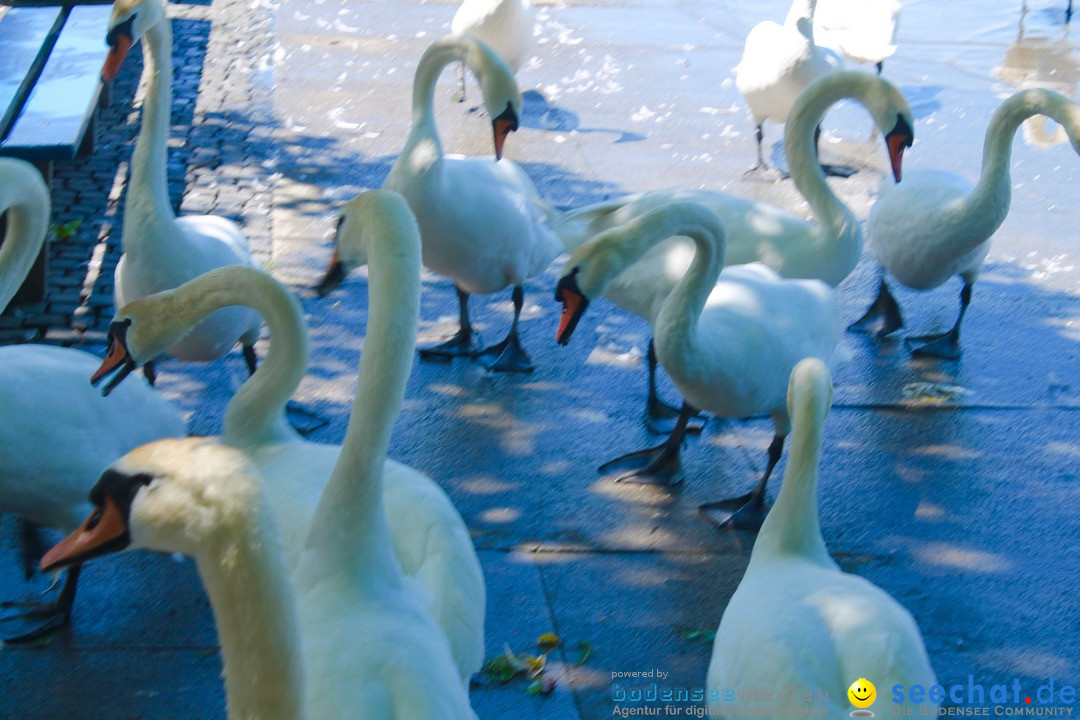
(247, 581)
(679, 315)
(839, 224)
(148, 193)
(424, 134)
(25, 198)
(988, 204)
(256, 413)
(350, 514)
(620, 248)
(793, 528)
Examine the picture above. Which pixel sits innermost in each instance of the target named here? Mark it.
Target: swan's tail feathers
(575, 227)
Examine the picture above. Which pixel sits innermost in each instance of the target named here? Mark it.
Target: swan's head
(893, 116)
(147, 327)
(810, 393)
(129, 20)
(176, 495)
(501, 95)
(138, 333)
(600, 260)
(371, 211)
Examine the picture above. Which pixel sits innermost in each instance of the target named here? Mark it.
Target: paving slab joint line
(561, 649)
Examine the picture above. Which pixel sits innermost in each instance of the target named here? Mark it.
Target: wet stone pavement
(952, 485)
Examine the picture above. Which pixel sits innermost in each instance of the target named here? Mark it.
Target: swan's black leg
(762, 166)
(461, 82)
(880, 65)
(150, 372)
(882, 317)
(52, 615)
(464, 343)
(841, 171)
(509, 355)
(658, 465)
(746, 512)
(945, 346)
(659, 416)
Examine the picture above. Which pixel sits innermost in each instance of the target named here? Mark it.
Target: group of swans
(56, 432)
(429, 537)
(375, 571)
(793, 248)
(780, 61)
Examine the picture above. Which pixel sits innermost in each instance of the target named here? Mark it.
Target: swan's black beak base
(119, 41)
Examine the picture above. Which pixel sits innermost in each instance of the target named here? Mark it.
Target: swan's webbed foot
(882, 317)
(509, 356)
(944, 346)
(302, 419)
(658, 465)
(840, 171)
(464, 343)
(746, 512)
(40, 618)
(766, 172)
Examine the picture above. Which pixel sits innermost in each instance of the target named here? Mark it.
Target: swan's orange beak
(105, 531)
(574, 305)
(117, 52)
(900, 137)
(503, 125)
(118, 357)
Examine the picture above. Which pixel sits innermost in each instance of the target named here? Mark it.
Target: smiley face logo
(862, 693)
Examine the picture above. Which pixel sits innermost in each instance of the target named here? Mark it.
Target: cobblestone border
(221, 161)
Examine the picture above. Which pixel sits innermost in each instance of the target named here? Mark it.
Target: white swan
(728, 341)
(825, 250)
(863, 31)
(796, 619)
(505, 25)
(430, 539)
(162, 251)
(778, 63)
(288, 652)
(56, 433)
(483, 224)
(936, 225)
